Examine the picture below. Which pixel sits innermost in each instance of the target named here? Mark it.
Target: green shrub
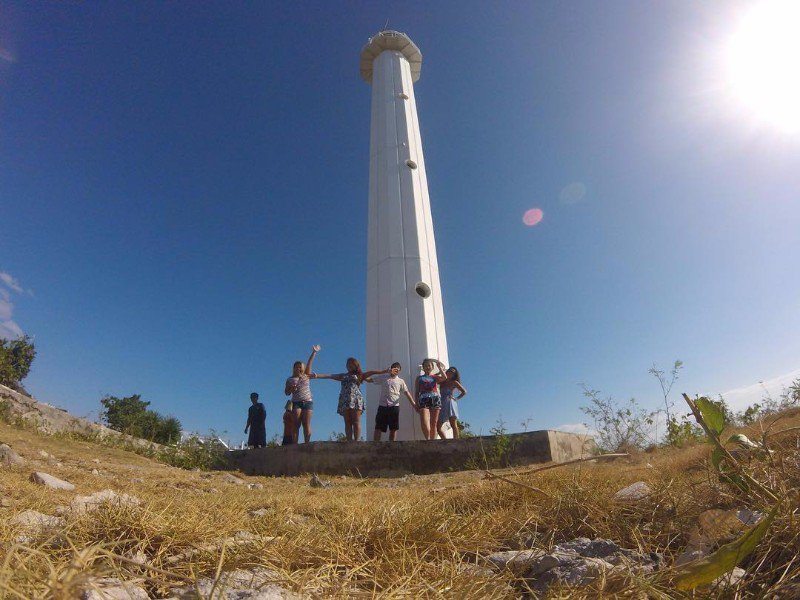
(132, 416)
(16, 357)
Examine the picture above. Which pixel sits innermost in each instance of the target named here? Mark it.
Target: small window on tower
(423, 290)
(403, 96)
(411, 164)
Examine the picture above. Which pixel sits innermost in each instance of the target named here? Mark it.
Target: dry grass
(404, 538)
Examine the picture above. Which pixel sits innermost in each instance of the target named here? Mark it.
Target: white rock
(50, 481)
(231, 478)
(83, 504)
(516, 561)
(31, 519)
(110, 588)
(634, 492)
(731, 578)
(240, 584)
(8, 457)
(316, 482)
(45, 455)
(255, 486)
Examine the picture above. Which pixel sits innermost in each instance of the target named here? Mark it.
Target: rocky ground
(81, 520)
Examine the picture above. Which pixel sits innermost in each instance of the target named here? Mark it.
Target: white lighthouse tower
(405, 318)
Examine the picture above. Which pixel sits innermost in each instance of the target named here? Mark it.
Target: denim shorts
(303, 405)
(431, 402)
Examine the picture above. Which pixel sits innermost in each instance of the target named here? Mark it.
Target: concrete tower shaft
(405, 317)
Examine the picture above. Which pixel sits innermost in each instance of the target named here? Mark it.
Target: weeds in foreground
(409, 538)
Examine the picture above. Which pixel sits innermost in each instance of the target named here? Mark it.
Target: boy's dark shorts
(387, 417)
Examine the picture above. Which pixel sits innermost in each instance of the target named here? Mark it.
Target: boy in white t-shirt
(388, 415)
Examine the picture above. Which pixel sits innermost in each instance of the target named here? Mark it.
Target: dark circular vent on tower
(411, 164)
(423, 290)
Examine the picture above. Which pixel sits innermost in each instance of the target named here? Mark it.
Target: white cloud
(8, 327)
(12, 283)
(741, 398)
(575, 428)
(10, 330)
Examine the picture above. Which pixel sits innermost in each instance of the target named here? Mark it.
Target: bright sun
(763, 63)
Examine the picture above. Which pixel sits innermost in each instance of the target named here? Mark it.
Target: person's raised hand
(316, 348)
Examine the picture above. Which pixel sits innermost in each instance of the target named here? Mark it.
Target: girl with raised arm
(426, 393)
(450, 401)
(298, 386)
(351, 401)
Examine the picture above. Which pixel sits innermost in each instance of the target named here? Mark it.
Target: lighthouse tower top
(390, 40)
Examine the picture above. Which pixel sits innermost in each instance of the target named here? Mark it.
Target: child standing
(426, 392)
(351, 401)
(288, 425)
(298, 386)
(450, 402)
(388, 415)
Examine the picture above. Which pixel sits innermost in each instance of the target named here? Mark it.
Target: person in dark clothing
(256, 423)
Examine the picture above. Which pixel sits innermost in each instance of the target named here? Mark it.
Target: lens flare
(532, 217)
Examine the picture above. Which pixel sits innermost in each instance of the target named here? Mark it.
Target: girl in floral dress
(351, 401)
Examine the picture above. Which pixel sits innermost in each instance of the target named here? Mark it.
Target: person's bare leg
(424, 422)
(306, 416)
(392, 435)
(376, 435)
(454, 427)
(348, 430)
(296, 425)
(355, 420)
(439, 430)
(434, 421)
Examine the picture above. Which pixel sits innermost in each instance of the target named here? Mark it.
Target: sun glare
(763, 63)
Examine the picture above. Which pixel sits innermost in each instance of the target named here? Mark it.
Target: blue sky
(183, 196)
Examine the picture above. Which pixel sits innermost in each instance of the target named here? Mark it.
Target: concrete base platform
(395, 459)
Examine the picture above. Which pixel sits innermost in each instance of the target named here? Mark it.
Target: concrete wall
(393, 459)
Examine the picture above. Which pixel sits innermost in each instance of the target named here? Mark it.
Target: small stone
(5, 502)
(516, 561)
(95, 472)
(240, 584)
(255, 486)
(634, 492)
(749, 517)
(84, 504)
(245, 537)
(316, 482)
(731, 578)
(45, 455)
(50, 481)
(298, 519)
(8, 457)
(96, 460)
(34, 524)
(474, 570)
(111, 588)
(137, 480)
(139, 557)
(231, 478)
(261, 512)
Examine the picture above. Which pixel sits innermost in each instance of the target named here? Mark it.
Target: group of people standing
(436, 394)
